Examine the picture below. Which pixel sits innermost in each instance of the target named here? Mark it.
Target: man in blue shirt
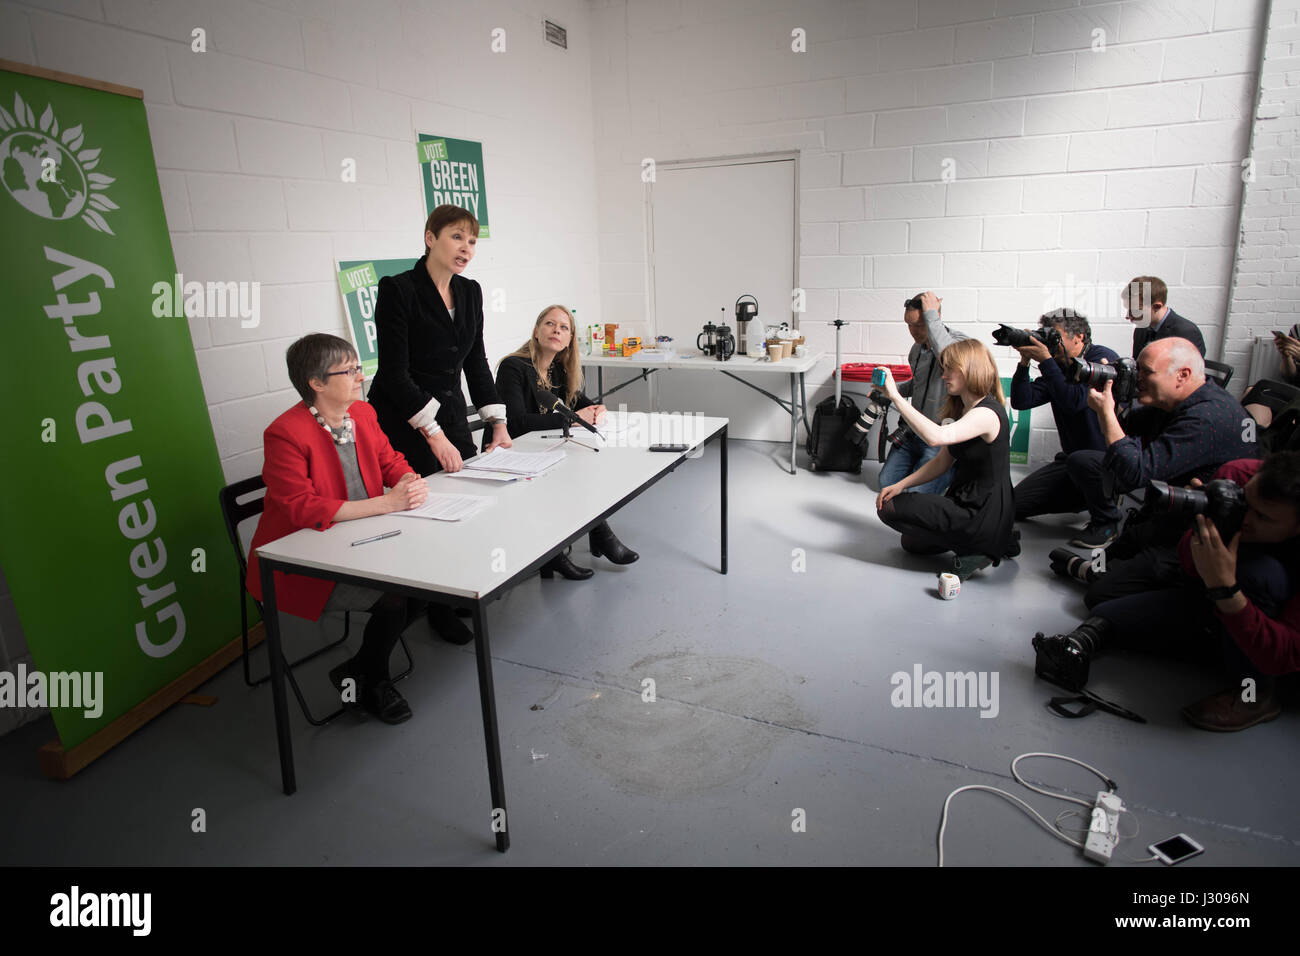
(1049, 490)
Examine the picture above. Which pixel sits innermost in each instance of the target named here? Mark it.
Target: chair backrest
(1219, 372)
(234, 512)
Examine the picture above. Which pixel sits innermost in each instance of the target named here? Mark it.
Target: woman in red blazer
(326, 460)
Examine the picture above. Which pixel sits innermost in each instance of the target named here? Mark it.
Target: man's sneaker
(1096, 535)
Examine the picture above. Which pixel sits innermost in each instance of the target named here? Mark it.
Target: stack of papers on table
(448, 507)
(506, 464)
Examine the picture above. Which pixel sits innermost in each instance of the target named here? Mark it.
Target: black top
(1206, 429)
(1172, 325)
(981, 484)
(1076, 423)
(422, 353)
(517, 385)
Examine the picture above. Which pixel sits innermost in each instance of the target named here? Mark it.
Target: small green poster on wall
(359, 286)
(452, 172)
(1019, 419)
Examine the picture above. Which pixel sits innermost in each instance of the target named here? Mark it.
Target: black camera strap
(1090, 702)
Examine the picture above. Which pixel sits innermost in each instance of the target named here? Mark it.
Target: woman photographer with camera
(974, 517)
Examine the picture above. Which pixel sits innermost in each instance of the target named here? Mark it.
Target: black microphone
(550, 403)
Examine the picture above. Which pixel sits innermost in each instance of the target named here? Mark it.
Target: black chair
(1219, 372)
(234, 512)
(1283, 401)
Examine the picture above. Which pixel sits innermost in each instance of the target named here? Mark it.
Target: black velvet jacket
(517, 385)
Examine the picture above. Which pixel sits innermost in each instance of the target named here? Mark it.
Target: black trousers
(413, 446)
(930, 524)
(1096, 483)
(1049, 491)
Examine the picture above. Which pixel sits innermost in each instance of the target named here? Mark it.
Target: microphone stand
(569, 439)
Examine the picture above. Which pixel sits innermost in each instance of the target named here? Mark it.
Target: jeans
(907, 458)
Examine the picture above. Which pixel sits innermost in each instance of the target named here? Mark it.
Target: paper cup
(787, 348)
(774, 352)
(949, 586)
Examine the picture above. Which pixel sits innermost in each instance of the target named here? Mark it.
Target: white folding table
(474, 562)
(797, 406)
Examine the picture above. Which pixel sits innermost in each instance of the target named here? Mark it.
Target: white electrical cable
(1054, 831)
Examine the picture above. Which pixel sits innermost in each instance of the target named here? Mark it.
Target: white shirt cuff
(425, 417)
(493, 413)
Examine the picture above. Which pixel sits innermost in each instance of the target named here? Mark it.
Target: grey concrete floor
(773, 696)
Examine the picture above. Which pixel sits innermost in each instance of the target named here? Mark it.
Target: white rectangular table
(797, 406)
(472, 563)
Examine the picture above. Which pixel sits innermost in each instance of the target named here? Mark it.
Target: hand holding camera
(1098, 375)
(1040, 345)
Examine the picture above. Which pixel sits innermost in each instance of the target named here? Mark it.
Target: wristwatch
(1222, 594)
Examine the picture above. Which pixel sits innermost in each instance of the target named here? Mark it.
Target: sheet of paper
(483, 475)
(448, 507)
(526, 463)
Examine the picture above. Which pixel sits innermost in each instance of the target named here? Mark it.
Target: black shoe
(1013, 547)
(965, 565)
(447, 625)
(1096, 535)
(383, 701)
(603, 542)
(567, 569)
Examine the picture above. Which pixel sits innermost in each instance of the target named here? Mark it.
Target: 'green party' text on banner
(452, 172)
(359, 285)
(110, 534)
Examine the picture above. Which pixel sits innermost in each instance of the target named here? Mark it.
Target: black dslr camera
(1097, 374)
(1222, 501)
(1018, 338)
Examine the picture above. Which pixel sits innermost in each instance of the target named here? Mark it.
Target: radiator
(1265, 362)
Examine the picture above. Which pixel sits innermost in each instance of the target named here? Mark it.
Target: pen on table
(378, 537)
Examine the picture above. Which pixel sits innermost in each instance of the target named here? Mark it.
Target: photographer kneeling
(1064, 336)
(1184, 429)
(1240, 600)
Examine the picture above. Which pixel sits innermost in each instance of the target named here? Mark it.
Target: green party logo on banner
(1019, 418)
(359, 286)
(51, 175)
(110, 534)
(452, 172)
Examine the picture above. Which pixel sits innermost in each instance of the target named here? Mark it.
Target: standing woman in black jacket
(429, 324)
(553, 349)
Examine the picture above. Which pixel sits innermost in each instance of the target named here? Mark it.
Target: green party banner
(452, 172)
(359, 286)
(110, 534)
(1019, 418)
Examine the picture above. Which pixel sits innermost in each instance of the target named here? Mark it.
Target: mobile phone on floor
(1175, 849)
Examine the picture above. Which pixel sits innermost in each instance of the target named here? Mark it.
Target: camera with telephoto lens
(1096, 374)
(877, 405)
(1018, 338)
(1222, 501)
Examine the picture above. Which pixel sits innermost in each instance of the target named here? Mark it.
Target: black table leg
(723, 468)
(600, 384)
(271, 620)
(794, 419)
(488, 700)
(803, 403)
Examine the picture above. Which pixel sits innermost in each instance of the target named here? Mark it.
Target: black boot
(1064, 659)
(567, 569)
(603, 542)
(447, 625)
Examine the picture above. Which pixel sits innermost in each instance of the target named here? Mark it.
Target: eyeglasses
(353, 371)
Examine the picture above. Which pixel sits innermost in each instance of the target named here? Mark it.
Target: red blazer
(305, 488)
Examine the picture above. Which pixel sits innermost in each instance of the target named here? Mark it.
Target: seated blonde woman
(549, 360)
(975, 516)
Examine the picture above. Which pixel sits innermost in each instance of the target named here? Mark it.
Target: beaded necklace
(346, 432)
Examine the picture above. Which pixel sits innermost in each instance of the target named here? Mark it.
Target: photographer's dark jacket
(1273, 645)
(1076, 423)
(1207, 429)
(925, 388)
(1172, 326)
(422, 352)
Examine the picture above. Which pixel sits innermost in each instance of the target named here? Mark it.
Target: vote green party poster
(1019, 419)
(111, 538)
(452, 172)
(359, 286)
